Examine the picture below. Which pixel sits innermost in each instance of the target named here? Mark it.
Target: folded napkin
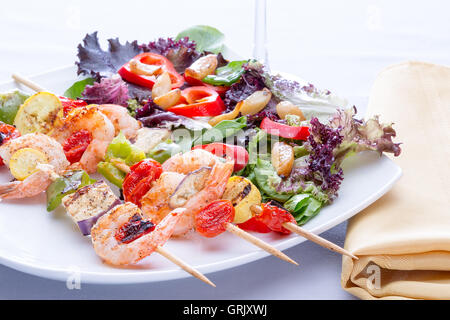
(403, 239)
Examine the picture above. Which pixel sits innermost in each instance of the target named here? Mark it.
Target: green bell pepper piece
(66, 184)
(111, 173)
(121, 148)
(164, 151)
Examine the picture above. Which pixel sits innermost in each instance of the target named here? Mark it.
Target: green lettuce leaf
(303, 207)
(74, 92)
(206, 38)
(9, 105)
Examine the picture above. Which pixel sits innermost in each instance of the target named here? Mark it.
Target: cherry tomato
(255, 225)
(212, 219)
(7, 132)
(139, 180)
(274, 217)
(76, 145)
(236, 153)
(133, 229)
(69, 104)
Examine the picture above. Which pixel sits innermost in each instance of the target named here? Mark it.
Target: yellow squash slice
(38, 113)
(23, 162)
(243, 194)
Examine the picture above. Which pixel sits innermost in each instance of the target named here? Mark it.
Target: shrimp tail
(30, 187)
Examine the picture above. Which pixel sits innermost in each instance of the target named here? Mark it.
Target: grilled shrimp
(31, 186)
(121, 119)
(91, 119)
(40, 180)
(190, 161)
(122, 237)
(155, 202)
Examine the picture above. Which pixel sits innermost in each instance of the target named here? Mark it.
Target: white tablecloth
(339, 45)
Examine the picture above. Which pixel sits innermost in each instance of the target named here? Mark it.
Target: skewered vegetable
(243, 194)
(24, 162)
(67, 183)
(38, 113)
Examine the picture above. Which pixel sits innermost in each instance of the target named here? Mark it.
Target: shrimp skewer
(155, 204)
(122, 237)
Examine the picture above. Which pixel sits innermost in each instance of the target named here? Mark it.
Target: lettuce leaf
(206, 38)
(97, 63)
(181, 52)
(313, 101)
(75, 90)
(109, 90)
(303, 207)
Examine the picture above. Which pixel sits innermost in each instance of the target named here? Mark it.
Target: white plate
(50, 245)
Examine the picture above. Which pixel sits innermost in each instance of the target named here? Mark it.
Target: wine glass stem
(260, 49)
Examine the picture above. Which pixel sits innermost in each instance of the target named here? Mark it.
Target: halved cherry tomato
(76, 145)
(7, 132)
(135, 228)
(274, 217)
(195, 82)
(236, 153)
(148, 81)
(139, 180)
(212, 219)
(283, 130)
(255, 225)
(69, 104)
(199, 101)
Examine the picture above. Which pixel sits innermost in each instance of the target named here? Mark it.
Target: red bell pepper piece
(199, 101)
(283, 130)
(236, 153)
(195, 82)
(255, 225)
(148, 81)
(7, 132)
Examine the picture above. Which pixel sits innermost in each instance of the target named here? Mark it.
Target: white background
(339, 45)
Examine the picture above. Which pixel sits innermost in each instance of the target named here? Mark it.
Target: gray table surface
(339, 45)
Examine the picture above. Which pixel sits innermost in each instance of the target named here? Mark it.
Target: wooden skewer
(119, 164)
(309, 235)
(183, 265)
(258, 242)
(27, 82)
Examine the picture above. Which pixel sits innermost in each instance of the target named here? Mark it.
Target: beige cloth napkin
(403, 239)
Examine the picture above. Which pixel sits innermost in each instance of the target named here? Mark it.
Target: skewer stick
(183, 265)
(258, 242)
(310, 236)
(27, 82)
